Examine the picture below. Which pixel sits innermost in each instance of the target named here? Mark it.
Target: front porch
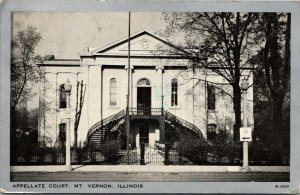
(147, 125)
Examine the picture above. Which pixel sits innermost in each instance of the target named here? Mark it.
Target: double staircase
(98, 132)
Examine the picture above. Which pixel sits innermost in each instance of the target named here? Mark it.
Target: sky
(64, 34)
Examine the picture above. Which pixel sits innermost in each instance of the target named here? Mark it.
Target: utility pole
(128, 89)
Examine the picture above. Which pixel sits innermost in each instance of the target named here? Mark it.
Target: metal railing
(155, 155)
(146, 111)
(116, 127)
(104, 122)
(132, 157)
(173, 118)
(48, 156)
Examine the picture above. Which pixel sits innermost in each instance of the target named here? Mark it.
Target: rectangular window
(62, 97)
(211, 97)
(174, 92)
(211, 132)
(113, 92)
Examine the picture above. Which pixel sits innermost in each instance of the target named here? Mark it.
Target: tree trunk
(76, 118)
(75, 139)
(237, 112)
(13, 137)
(277, 119)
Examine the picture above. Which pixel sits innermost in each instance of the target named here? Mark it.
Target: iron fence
(45, 157)
(132, 157)
(138, 156)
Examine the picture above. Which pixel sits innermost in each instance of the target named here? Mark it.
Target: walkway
(147, 168)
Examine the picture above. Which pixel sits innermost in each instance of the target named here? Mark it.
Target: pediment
(143, 43)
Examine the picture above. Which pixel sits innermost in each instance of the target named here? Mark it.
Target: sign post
(245, 132)
(68, 88)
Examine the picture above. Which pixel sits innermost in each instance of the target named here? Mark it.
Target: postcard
(149, 97)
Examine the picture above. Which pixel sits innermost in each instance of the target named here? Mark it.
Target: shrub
(260, 152)
(230, 151)
(54, 155)
(224, 147)
(194, 149)
(79, 154)
(110, 150)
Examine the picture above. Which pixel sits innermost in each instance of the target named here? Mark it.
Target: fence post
(142, 161)
(167, 148)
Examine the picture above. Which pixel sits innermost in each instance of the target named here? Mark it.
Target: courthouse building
(164, 93)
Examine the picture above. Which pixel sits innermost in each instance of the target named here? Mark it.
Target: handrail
(145, 111)
(103, 122)
(56, 141)
(117, 125)
(169, 116)
(184, 123)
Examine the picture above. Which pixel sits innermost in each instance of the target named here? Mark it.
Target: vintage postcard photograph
(115, 101)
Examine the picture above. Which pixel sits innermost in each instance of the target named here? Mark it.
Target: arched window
(143, 82)
(211, 131)
(113, 92)
(62, 97)
(211, 97)
(174, 92)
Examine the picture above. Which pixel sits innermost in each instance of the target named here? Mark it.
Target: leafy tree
(26, 132)
(223, 42)
(23, 71)
(276, 67)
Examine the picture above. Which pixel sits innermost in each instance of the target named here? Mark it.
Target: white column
(159, 84)
(68, 101)
(137, 140)
(131, 85)
(157, 133)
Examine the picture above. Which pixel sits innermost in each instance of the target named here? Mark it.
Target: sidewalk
(146, 168)
(150, 176)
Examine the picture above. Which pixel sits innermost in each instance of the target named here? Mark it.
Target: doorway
(144, 100)
(144, 132)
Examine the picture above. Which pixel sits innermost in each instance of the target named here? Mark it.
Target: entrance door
(144, 132)
(144, 100)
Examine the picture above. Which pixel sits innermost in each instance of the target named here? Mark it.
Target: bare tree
(23, 68)
(79, 103)
(225, 43)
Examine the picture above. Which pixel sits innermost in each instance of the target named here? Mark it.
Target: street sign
(245, 134)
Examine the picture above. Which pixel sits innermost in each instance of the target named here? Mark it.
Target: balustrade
(145, 111)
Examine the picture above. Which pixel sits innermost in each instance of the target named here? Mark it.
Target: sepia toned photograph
(118, 101)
